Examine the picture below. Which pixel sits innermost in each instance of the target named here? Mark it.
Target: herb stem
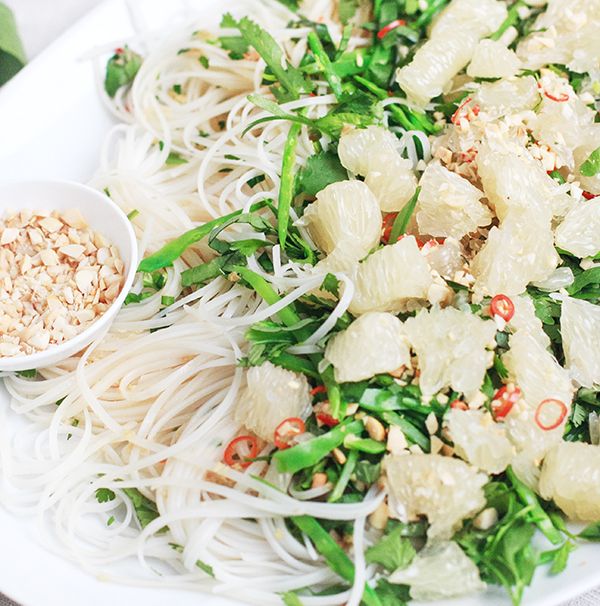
(511, 19)
(538, 515)
(323, 60)
(286, 189)
(334, 555)
(344, 478)
(174, 249)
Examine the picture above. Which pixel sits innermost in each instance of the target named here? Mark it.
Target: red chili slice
(233, 455)
(459, 405)
(502, 306)
(317, 390)
(327, 419)
(563, 98)
(287, 430)
(563, 410)
(384, 31)
(503, 401)
(388, 224)
(588, 196)
(456, 115)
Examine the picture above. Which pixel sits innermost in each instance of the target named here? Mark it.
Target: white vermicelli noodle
(149, 405)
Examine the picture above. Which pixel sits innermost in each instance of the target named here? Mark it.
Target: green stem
(286, 189)
(538, 515)
(344, 478)
(334, 555)
(323, 60)
(511, 19)
(287, 315)
(174, 249)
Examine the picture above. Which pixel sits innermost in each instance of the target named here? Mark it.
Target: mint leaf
(591, 166)
(320, 170)
(393, 552)
(390, 594)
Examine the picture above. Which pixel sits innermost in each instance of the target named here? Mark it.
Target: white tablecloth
(40, 22)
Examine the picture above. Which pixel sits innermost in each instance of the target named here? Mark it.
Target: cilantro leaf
(291, 78)
(103, 495)
(390, 594)
(320, 170)
(331, 285)
(393, 552)
(121, 69)
(591, 166)
(145, 509)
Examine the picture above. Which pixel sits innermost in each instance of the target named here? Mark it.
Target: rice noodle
(149, 405)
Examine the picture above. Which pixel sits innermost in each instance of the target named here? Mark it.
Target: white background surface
(42, 21)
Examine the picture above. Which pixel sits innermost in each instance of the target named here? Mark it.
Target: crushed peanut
(56, 278)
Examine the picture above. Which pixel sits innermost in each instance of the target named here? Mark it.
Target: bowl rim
(56, 353)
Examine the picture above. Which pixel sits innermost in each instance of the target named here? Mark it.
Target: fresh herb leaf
(104, 495)
(331, 285)
(390, 594)
(347, 9)
(591, 532)
(175, 159)
(591, 166)
(393, 551)
(28, 374)
(403, 218)
(288, 76)
(320, 170)
(121, 70)
(174, 249)
(367, 472)
(145, 509)
(334, 555)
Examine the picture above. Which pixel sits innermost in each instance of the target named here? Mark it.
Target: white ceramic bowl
(103, 216)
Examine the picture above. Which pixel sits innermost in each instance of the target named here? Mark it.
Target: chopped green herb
(121, 69)
(591, 166)
(104, 495)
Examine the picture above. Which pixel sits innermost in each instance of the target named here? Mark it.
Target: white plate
(52, 125)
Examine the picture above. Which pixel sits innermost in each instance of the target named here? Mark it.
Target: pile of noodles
(149, 405)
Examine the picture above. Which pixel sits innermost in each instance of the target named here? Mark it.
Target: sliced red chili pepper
(234, 453)
(119, 51)
(327, 419)
(388, 224)
(287, 430)
(459, 405)
(588, 196)
(456, 115)
(503, 401)
(502, 306)
(317, 390)
(562, 413)
(562, 98)
(384, 31)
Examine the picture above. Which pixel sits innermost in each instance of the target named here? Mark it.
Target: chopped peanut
(54, 282)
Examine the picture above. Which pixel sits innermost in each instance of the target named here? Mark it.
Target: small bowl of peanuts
(68, 258)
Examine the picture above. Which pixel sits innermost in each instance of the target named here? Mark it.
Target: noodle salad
(359, 363)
